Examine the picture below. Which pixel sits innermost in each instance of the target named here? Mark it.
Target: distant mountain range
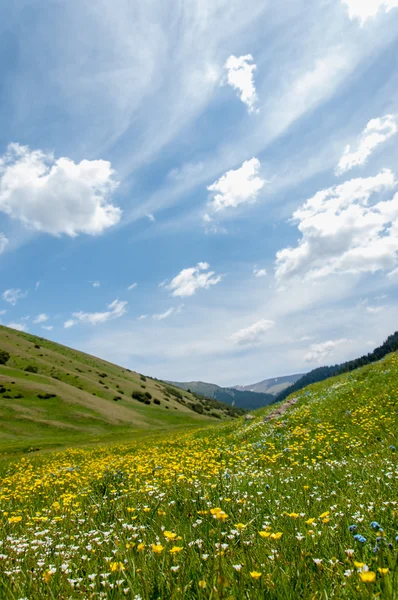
(272, 386)
(241, 399)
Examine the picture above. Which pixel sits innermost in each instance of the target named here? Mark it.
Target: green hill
(242, 399)
(273, 386)
(51, 395)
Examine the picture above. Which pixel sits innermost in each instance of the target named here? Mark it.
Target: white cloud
(240, 70)
(374, 310)
(252, 335)
(168, 313)
(375, 133)
(12, 295)
(366, 9)
(142, 317)
(116, 310)
(188, 281)
(343, 232)
(151, 217)
(3, 312)
(18, 326)
(37, 285)
(96, 284)
(132, 286)
(259, 272)
(237, 186)
(3, 242)
(48, 327)
(42, 318)
(320, 351)
(57, 196)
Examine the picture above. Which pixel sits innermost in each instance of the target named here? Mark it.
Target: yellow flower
(240, 526)
(215, 511)
(176, 549)
(221, 515)
(169, 535)
(264, 534)
(358, 565)
(368, 576)
(383, 571)
(310, 521)
(130, 509)
(161, 512)
(47, 576)
(255, 574)
(276, 536)
(15, 519)
(293, 515)
(147, 509)
(140, 547)
(202, 584)
(324, 515)
(116, 566)
(157, 548)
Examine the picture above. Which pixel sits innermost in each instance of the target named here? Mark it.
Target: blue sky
(233, 163)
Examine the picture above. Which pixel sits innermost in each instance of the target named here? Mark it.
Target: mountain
(51, 395)
(272, 386)
(322, 373)
(241, 399)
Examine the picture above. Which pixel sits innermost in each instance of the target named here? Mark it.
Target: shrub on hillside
(148, 395)
(4, 357)
(31, 369)
(140, 396)
(156, 401)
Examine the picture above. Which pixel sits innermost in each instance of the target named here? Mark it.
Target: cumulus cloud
(48, 327)
(18, 326)
(318, 352)
(168, 313)
(57, 196)
(12, 295)
(237, 186)
(259, 272)
(188, 281)
(366, 9)
(252, 335)
(42, 318)
(240, 76)
(116, 310)
(375, 133)
(343, 232)
(3, 242)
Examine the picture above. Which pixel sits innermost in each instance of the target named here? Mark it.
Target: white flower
(237, 567)
(317, 561)
(175, 568)
(348, 573)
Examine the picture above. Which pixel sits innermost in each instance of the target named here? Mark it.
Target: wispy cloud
(259, 272)
(318, 352)
(13, 295)
(3, 242)
(168, 313)
(252, 335)
(116, 310)
(132, 286)
(42, 318)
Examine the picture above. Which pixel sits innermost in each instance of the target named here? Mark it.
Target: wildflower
(375, 525)
(47, 575)
(299, 536)
(293, 515)
(359, 538)
(353, 528)
(349, 553)
(310, 521)
(157, 548)
(317, 561)
(348, 573)
(176, 549)
(368, 576)
(255, 574)
(237, 567)
(202, 584)
(240, 526)
(16, 519)
(276, 536)
(264, 534)
(140, 547)
(175, 568)
(324, 515)
(169, 535)
(358, 565)
(116, 566)
(383, 571)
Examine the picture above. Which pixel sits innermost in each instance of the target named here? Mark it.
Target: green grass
(84, 409)
(241, 510)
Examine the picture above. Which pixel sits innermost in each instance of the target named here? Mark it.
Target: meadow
(304, 505)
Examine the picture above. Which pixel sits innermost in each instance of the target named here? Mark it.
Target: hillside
(300, 502)
(241, 399)
(323, 373)
(51, 395)
(273, 386)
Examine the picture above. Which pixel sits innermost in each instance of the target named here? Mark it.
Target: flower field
(302, 506)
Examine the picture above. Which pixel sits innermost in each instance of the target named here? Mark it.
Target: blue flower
(359, 538)
(393, 448)
(375, 525)
(353, 528)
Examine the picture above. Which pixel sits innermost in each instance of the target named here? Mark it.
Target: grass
(91, 399)
(243, 510)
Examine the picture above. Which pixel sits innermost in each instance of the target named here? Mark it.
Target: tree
(4, 357)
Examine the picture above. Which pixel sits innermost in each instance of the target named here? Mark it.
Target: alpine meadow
(198, 300)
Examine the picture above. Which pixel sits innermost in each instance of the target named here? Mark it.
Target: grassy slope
(83, 409)
(244, 510)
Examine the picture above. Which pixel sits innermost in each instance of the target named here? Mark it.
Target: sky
(201, 190)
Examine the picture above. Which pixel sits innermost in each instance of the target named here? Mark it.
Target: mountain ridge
(241, 399)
